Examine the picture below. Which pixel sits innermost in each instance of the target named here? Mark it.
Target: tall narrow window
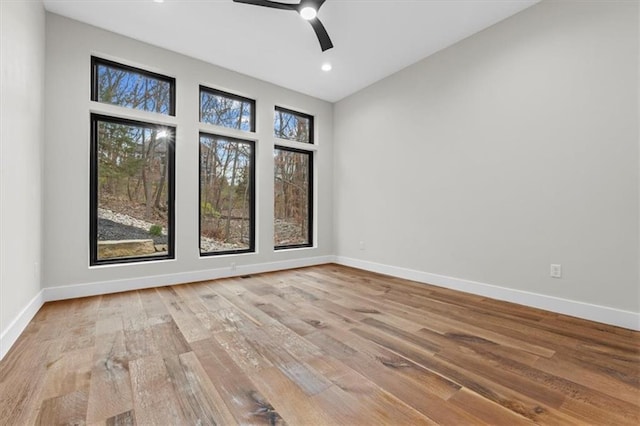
(292, 125)
(227, 110)
(293, 210)
(227, 182)
(130, 87)
(132, 190)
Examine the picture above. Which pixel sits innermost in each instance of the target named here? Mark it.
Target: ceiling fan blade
(271, 4)
(321, 32)
(313, 3)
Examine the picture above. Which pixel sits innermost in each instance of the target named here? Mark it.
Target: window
(294, 126)
(130, 87)
(131, 166)
(132, 190)
(293, 210)
(227, 110)
(227, 171)
(293, 186)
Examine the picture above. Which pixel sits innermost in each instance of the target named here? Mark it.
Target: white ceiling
(372, 38)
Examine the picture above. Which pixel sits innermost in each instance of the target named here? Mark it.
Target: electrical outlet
(233, 266)
(361, 245)
(556, 270)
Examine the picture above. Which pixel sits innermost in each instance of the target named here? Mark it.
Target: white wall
(511, 150)
(70, 45)
(22, 56)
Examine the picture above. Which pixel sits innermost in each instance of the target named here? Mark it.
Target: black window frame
(93, 192)
(310, 196)
(302, 115)
(96, 61)
(218, 92)
(252, 204)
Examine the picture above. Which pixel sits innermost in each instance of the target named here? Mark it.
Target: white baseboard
(50, 294)
(603, 314)
(10, 334)
(116, 286)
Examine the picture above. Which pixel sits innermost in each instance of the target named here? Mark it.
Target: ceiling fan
(308, 9)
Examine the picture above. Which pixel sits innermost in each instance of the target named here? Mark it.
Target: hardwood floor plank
(350, 315)
(323, 345)
(242, 397)
(152, 303)
(22, 377)
(270, 334)
(233, 340)
(286, 401)
(185, 319)
(405, 336)
(485, 409)
(169, 339)
(80, 337)
(140, 343)
(607, 361)
(123, 419)
(206, 401)
(212, 300)
(70, 373)
(356, 400)
(583, 395)
(402, 380)
(235, 295)
(136, 318)
(154, 398)
(69, 409)
(590, 413)
(502, 395)
(110, 387)
(399, 368)
(109, 325)
(287, 319)
(289, 359)
(493, 372)
(583, 376)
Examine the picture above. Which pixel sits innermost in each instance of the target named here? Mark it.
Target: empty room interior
(313, 212)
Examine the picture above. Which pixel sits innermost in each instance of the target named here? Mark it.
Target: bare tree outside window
(294, 126)
(293, 198)
(132, 88)
(226, 110)
(131, 186)
(226, 195)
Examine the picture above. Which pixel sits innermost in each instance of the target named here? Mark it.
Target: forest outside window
(227, 195)
(227, 110)
(293, 209)
(130, 87)
(293, 126)
(132, 191)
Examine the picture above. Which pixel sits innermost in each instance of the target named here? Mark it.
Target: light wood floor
(321, 345)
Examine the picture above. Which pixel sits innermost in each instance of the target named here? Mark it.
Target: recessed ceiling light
(326, 66)
(158, 1)
(308, 13)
